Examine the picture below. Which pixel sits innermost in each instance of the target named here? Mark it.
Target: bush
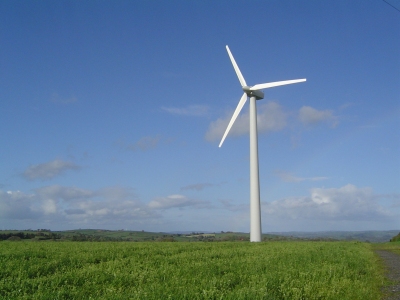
(395, 238)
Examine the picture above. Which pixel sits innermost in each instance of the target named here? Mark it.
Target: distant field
(223, 270)
(101, 235)
(373, 236)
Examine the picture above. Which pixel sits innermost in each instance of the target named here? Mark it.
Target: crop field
(168, 270)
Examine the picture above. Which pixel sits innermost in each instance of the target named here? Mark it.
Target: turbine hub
(256, 93)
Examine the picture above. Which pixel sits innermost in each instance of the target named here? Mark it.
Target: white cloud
(311, 116)
(346, 105)
(64, 193)
(289, 177)
(346, 203)
(145, 143)
(18, 205)
(74, 206)
(200, 186)
(49, 169)
(270, 117)
(61, 207)
(49, 206)
(229, 205)
(176, 201)
(55, 98)
(191, 110)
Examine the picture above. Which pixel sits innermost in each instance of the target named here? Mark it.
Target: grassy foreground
(274, 270)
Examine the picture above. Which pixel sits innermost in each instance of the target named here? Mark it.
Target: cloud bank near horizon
(72, 207)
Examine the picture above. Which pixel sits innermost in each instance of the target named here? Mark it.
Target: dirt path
(392, 262)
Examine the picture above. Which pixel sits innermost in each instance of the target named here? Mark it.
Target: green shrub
(395, 238)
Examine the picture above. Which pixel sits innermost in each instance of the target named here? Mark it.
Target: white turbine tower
(254, 93)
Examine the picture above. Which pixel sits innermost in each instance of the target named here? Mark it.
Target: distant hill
(99, 235)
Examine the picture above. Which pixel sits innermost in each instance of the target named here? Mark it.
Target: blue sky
(111, 114)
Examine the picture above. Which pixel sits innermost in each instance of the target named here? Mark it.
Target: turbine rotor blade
(274, 84)
(235, 66)
(234, 116)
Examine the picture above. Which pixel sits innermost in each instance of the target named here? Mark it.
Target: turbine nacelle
(253, 93)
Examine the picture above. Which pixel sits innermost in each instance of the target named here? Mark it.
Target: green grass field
(223, 270)
(393, 247)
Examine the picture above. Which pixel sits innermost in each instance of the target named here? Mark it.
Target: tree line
(29, 235)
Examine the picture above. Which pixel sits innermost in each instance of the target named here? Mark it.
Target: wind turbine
(254, 93)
